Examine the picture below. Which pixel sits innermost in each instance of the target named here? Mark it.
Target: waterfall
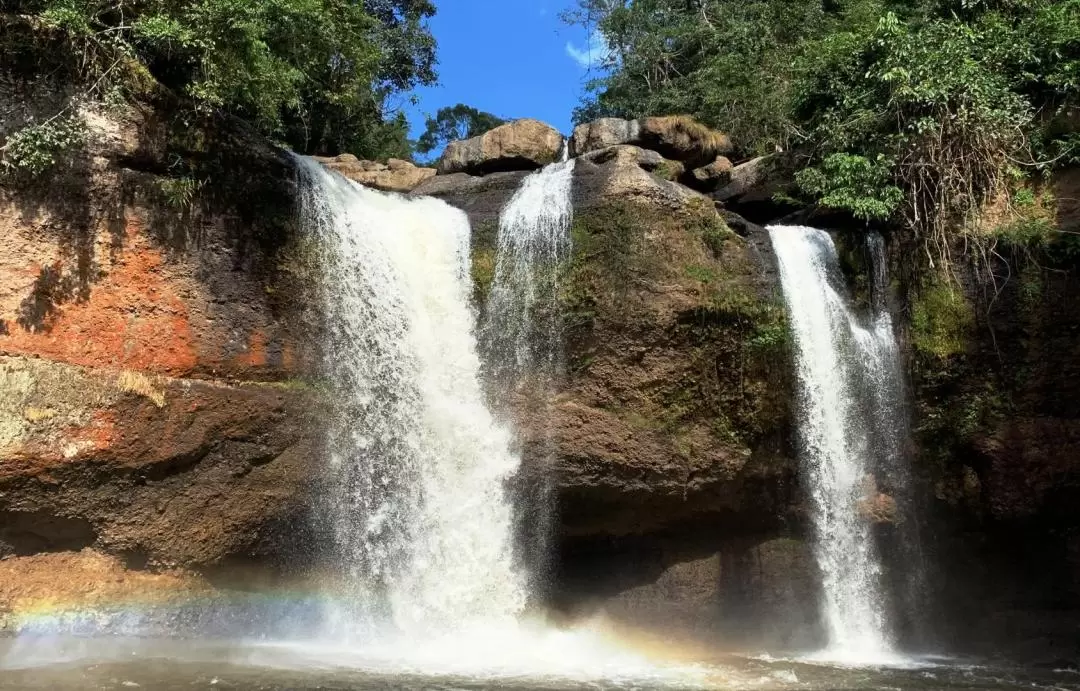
(522, 338)
(419, 518)
(522, 331)
(851, 429)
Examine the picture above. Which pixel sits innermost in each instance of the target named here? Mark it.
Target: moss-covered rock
(677, 372)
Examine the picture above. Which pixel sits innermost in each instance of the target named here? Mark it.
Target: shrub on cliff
(316, 73)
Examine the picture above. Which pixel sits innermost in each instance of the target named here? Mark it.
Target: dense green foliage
(901, 109)
(453, 123)
(318, 74)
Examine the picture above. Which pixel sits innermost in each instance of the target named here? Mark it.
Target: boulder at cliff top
(677, 137)
(519, 145)
(753, 188)
(630, 172)
(602, 133)
(709, 177)
(682, 138)
(395, 175)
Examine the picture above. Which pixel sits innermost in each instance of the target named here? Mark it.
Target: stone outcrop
(518, 145)
(996, 377)
(676, 137)
(630, 172)
(481, 197)
(602, 133)
(752, 189)
(160, 471)
(708, 177)
(153, 350)
(664, 298)
(395, 175)
(683, 139)
(745, 179)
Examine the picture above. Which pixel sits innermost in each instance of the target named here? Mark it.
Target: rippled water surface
(167, 665)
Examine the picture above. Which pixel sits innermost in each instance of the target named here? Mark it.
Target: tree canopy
(906, 109)
(453, 123)
(319, 74)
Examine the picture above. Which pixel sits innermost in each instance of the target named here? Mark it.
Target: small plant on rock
(36, 149)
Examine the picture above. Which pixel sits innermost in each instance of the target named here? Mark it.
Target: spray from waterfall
(522, 335)
(420, 520)
(852, 422)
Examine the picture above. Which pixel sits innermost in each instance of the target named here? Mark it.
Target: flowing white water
(522, 339)
(850, 417)
(522, 331)
(417, 502)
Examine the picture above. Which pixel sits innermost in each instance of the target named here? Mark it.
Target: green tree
(453, 123)
(906, 110)
(318, 73)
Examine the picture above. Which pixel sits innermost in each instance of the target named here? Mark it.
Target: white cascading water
(522, 330)
(522, 339)
(417, 503)
(850, 414)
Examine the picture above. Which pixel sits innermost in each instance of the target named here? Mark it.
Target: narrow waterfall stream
(522, 329)
(851, 422)
(417, 504)
(522, 340)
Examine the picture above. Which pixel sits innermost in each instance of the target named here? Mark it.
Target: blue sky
(513, 58)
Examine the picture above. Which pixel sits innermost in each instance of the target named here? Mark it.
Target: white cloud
(595, 52)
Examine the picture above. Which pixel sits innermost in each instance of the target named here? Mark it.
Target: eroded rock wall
(155, 350)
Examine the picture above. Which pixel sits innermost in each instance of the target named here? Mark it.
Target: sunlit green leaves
(857, 184)
(38, 148)
(318, 73)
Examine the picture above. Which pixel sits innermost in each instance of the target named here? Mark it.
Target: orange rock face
(122, 297)
(132, 318)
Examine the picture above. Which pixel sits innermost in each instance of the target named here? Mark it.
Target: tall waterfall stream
(521, 341)
(850, 420)
(417, 501)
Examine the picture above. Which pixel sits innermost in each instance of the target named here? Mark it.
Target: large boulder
(744, 179)
(709, 177)
(481, 197)
(681, 138)
(757, 189)
(602, 133)
(519, 145)
(630, 173)
(676, 137)
(395, 175)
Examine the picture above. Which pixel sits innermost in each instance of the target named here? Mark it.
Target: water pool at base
(588, 663)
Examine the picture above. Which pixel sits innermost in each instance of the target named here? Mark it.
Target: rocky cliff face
(994, 368)
(152, 405)
(671, 429)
